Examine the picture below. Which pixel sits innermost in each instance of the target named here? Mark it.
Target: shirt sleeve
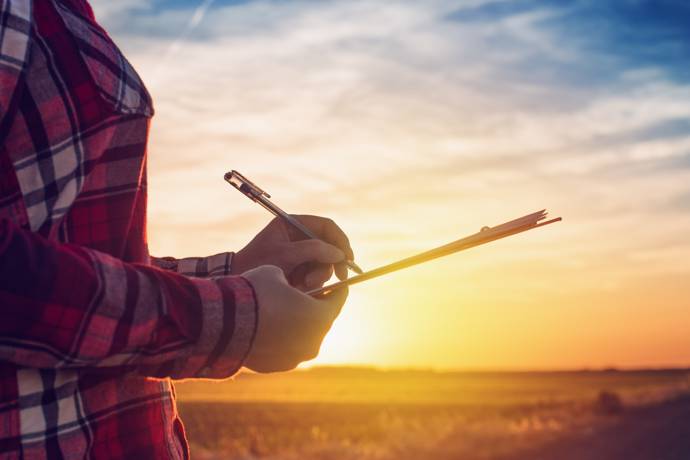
(15, 29)
(200, 267)
(66, 306)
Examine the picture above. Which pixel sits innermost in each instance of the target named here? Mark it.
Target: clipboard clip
(244, 185)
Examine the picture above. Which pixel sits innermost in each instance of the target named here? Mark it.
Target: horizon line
(431, 369)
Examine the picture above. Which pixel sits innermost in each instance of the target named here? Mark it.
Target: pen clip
(245, 186)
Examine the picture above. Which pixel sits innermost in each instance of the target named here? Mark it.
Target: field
(354, 413)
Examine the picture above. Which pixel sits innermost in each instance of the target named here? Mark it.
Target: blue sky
(460, 114)
(620, 35)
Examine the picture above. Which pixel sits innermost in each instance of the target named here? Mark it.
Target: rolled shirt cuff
(228, 328)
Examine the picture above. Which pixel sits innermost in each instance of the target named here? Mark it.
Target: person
(92, 328)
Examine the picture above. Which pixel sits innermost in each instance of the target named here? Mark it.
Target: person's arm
(276, 245)
(200, 267)
(65, 306)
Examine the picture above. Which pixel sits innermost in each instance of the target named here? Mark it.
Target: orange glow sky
(413, 124)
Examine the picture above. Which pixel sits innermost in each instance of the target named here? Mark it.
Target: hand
(307, 263)
(291, 324)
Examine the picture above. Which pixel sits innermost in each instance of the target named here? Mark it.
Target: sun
(350, 340)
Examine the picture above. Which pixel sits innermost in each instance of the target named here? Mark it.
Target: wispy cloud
(194, 21)
(348, 93)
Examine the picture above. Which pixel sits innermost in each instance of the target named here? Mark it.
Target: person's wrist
(237, 267)
(229, 328)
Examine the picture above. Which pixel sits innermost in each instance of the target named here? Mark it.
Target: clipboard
(485, 235)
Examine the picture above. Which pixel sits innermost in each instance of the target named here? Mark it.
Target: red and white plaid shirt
(91, 327)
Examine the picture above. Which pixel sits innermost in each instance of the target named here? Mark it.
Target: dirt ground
(660, 432)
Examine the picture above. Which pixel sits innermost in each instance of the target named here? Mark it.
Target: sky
(412, 124)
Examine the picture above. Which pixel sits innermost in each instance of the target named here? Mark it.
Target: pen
(256, 194)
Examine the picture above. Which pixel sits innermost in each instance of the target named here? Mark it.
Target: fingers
(310, 276)
(341, 271)
(335, 301)
(314, 251)
(266, 272)
(328, 231)
(318, 276)
(292, 324)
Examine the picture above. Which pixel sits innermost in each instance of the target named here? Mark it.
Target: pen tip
(354, 267)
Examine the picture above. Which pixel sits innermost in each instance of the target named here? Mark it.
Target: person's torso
(73, 169)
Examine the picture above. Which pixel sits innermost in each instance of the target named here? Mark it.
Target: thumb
(333, 302)
(266, 273)
(314, 251)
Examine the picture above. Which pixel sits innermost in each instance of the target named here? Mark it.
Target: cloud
(413, 123)
(194, 21)
(116, 16)
(363, 101)
(615, 35)
(681, 202)
(667, 129)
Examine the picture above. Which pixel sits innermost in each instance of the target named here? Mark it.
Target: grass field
(351, 413)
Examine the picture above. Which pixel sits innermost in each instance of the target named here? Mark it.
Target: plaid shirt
(91, 327)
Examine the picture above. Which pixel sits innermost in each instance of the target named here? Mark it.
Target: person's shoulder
(80, 7)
